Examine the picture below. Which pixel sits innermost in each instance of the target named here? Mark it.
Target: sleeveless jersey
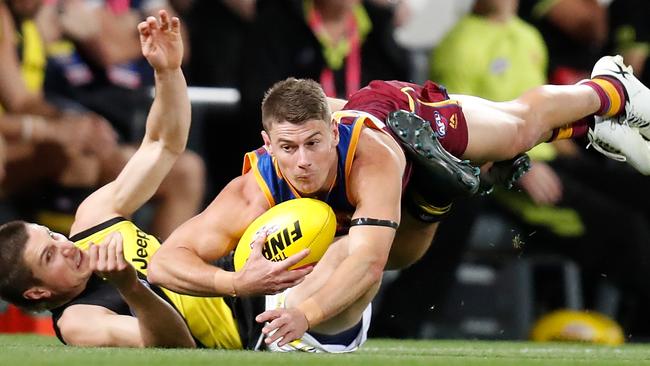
(368, 107)
(209, 319)
(276, 189)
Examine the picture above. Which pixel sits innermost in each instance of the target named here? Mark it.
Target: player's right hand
(160, 40)
(260, 276)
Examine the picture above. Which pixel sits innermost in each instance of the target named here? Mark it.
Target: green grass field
(37, 350)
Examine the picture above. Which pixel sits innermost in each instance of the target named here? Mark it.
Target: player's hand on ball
(260, 276)
(107, 261)
(285, 325)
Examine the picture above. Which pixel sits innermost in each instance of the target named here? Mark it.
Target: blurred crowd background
(574, 234)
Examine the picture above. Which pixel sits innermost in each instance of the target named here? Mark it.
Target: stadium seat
(497, 294)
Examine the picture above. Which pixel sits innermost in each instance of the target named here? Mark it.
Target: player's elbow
(156, 271)
(375, 269)
(175, 146)
(375, 273)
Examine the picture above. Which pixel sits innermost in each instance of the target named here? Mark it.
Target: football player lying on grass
(95, 282)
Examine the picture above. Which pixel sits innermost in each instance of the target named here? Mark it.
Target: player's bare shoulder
(244, 197)
(377, 146)
(378, 166)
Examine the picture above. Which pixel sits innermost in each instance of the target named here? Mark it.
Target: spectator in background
(491, 53)
(99, 71)
(473, 58)
(565, 213)
(75, 144)
(575, 32)
(68, 152)
(343, 44)
(419, 34)
(218, 32)
(217, 35)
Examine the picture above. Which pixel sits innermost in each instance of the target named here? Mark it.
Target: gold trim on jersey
(361, 119)
(430, 104)
(352, 150)
(209, 319)
(250, 162)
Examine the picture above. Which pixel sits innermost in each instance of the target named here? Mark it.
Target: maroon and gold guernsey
(368, 107)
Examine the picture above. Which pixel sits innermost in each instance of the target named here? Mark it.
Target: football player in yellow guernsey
(90, 281)
(95, 282)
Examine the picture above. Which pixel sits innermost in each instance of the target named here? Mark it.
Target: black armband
(373, 222)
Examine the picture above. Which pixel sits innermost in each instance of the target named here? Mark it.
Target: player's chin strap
(373, 222)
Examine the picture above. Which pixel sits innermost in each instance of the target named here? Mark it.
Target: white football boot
(637, 106)
(619, 141)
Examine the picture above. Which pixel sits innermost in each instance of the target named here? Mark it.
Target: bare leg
(349, 317)
(499, 131)
(28, 165)
(180, 195)
(412, 240)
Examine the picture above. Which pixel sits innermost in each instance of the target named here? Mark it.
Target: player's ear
(267, 142)
(335, 132)
(37, 293)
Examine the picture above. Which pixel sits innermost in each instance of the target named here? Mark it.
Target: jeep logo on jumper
(142, 255)
(276, 244)
(441, 129)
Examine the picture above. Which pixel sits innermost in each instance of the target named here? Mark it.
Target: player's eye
(48, 255)
(52, 234)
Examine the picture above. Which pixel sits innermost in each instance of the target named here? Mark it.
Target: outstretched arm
(166, 133)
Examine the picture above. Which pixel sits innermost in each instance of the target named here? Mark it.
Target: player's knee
(527, 132)
(524, 140)
(375, 273)
(189, 172)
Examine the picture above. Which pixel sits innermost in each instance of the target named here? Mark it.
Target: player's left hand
(285, 325)
(161, 41)
(107, 261)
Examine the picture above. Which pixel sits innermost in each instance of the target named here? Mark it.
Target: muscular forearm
(184, 272)
(160, 324)
(353, 278)
(170, 114)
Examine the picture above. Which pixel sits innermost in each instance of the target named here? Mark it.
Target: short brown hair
(15, 276)
(295, 101)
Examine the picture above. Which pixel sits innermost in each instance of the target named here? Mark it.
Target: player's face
(62, 268)
(306, 154)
